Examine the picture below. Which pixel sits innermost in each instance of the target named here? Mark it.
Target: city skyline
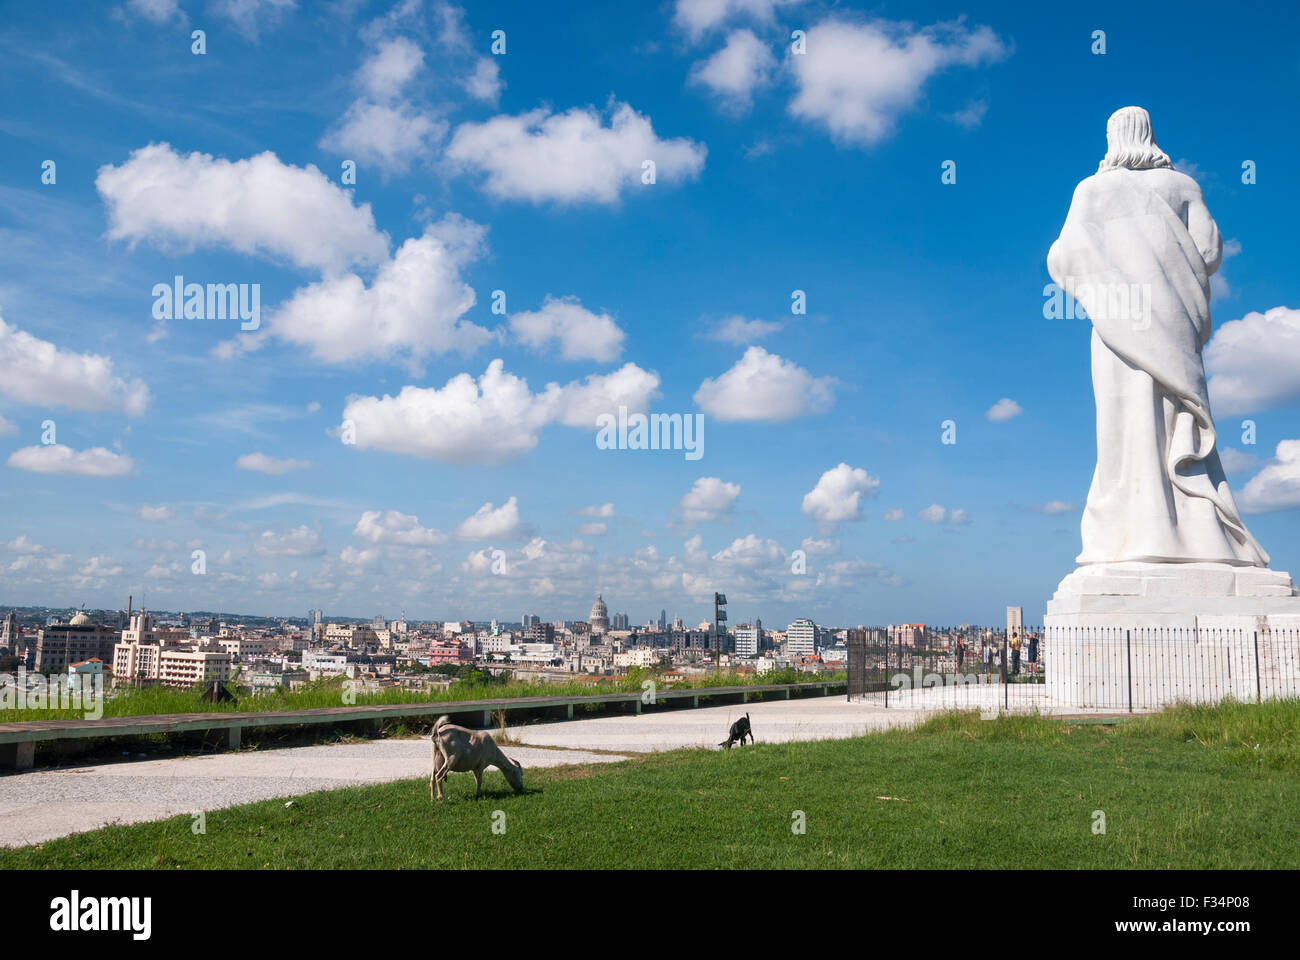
(365, 428)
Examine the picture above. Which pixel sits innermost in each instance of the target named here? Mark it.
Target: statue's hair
(1131, 143)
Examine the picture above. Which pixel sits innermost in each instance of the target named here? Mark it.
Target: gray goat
(460, 750)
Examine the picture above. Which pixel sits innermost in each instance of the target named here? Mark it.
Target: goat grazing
(739, 731)
(457, 749)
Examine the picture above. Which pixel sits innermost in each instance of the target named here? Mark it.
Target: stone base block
(1141, 636)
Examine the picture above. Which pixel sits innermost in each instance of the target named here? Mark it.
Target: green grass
(328, 692)
(1184, 789)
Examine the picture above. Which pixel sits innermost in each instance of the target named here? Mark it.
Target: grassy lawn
(1190, 788)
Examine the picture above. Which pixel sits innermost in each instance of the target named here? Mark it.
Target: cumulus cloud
(894, 514)
(709, 499)
(414, 307)
(298, 542)
(159, 514)
(1277, 486)
(276, 467)
(764, 386)
(603, 510)
(258, 206)
(741, 331)
(698, 17)
(938, 515)
(37, 372)
(570, 158)
(857, 78)
(592, 529)
(7, 427)
(390, 136)
(1005, 409)
(1054, 507)
(580, 333)
(489, 522)
(393, 527)
(838, 494)
(1254, 363)
(733, 73)
(56, 458)
(155, 11)
(493, 419)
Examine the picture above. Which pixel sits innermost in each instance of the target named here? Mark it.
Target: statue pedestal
(1138, 635)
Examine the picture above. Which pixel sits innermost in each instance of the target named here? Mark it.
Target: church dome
(599, 617)
(80, 620)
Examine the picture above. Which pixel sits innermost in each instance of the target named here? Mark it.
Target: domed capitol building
(599, 617)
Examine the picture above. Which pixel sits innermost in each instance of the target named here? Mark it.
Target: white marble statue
(1137, 251)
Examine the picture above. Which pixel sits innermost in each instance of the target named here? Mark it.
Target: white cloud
(1254, 363)
(484, 84)
(1005, 409)
(7, 427)
(603, 510)
(1277, 486)
(581, 334)
(159, 514)
(856, 79)
(763, 386)
(838, 493)
(570, 158)
(251, 17)
(733, 73)
(937, 514)
(276, 467)
(493, 419)
(698, 17)
(414, 306)
(489, 523)
(56, 458)
(390, 136)
(579, 403)
(894, 514)
(21, 544)
(258, 206)
(37, 372)
(708, 500)
(397, 528)
(592, 529)
(391, 67)
(740, 331)
(156, 11)
(1237, 461)
(1055, 507)
(971, 115)
(298, 542)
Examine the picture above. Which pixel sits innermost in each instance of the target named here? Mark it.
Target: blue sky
(523, 173)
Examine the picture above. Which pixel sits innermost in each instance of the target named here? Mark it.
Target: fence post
(886, 676)
(1259, 694)
(1128, 655)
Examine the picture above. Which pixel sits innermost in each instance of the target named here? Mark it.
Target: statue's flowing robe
(1127, 256)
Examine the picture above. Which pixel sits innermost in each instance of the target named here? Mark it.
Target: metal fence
(1067, 670)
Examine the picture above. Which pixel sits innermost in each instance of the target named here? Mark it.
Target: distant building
(61, 645)
(748, 639)
(1015, 620)
(801, 638)
(599, 618)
